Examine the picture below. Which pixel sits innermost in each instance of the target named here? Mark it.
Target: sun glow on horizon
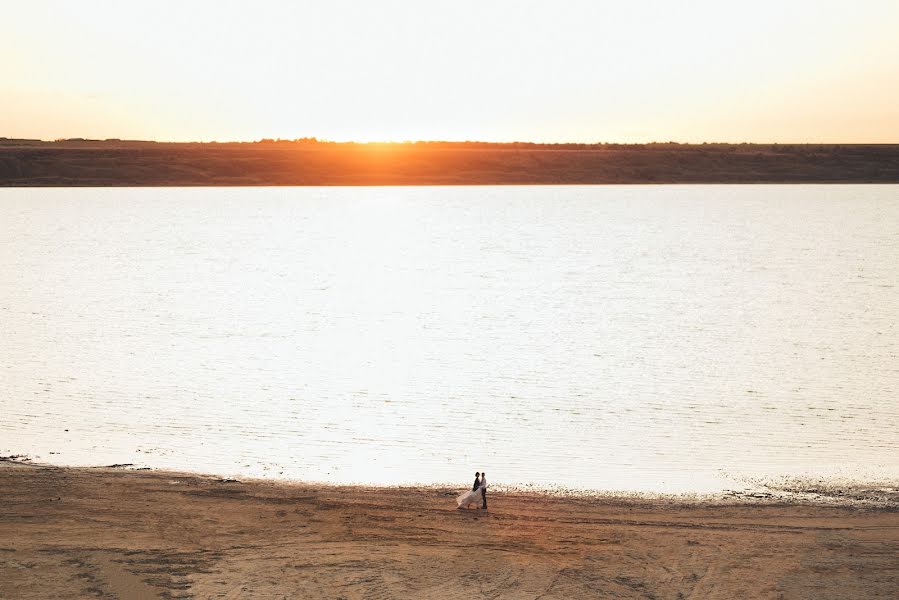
(505, 71)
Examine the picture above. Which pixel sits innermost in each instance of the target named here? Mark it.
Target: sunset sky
(586, 71)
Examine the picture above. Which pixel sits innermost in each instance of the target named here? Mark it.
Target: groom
(484, 489)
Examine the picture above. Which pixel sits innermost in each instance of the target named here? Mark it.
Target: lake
(667, 338)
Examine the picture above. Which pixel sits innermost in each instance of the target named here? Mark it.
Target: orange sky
(586, 71)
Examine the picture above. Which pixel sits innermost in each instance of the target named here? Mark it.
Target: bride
(474, 496)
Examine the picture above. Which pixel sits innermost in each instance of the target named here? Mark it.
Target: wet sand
(106, 533)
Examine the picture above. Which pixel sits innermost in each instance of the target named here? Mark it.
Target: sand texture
(114, 533)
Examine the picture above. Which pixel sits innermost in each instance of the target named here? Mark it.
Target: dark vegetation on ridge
(80, 162)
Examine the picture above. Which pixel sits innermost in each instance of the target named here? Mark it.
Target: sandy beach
(118, 533)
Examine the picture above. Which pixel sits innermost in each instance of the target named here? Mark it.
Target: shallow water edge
(881, 494)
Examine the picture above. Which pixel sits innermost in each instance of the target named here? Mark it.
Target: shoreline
(877, 494)
(882, 493)
(126, 185)
(117, 163)
(153, 534)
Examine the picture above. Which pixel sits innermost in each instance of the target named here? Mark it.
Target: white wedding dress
(472, 497)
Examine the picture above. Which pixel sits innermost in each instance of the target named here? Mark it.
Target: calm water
(627, 338)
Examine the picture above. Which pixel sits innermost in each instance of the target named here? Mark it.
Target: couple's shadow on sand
(477, 496)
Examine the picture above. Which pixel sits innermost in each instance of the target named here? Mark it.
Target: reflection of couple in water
(478, 492)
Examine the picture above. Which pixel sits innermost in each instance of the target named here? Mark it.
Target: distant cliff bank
(309, 162)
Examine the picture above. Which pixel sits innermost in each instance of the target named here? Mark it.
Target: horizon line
(317, 140)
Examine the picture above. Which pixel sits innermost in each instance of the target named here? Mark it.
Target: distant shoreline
(117, 163)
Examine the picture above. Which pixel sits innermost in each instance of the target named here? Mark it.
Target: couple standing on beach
(478, 491)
